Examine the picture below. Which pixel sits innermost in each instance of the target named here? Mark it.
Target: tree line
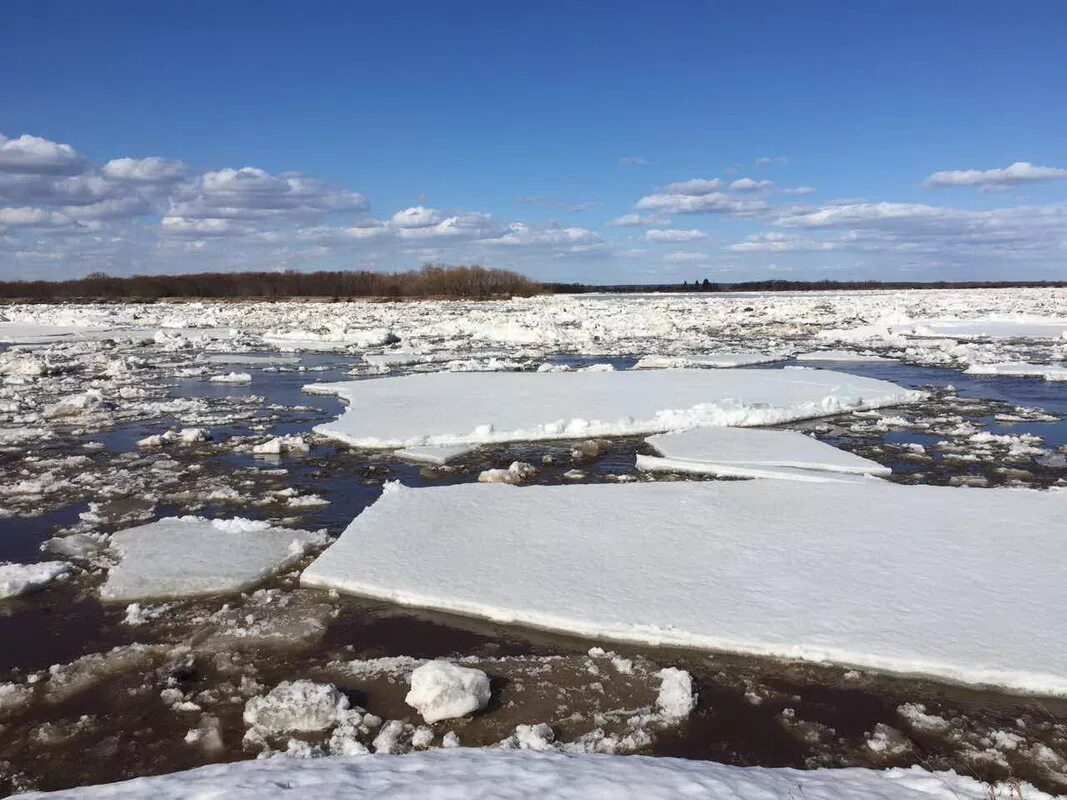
(430, 281)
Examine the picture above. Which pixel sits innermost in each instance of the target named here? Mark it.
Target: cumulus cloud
(33, 155)
(199, 228)
(662, 236)
(144, 170)
(713, 203)
(750, 185)
(1019, 172)
(572, 240)
(27, 217)
(694, 186)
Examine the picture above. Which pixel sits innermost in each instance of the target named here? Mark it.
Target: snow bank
(961, 584)
(448, 409)
(16, 579)
(190, 556)
(440, 690)
(750, 452)
(496, 774)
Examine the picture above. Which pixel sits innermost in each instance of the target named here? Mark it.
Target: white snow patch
(190, 556)
(442, 690)
(505, 774)
(871, 574)
(466, 408)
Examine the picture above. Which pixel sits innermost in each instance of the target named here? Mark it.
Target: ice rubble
(441, 690)
(297, 706)
(190, 556)
(17, 579)
(751, 452)
(872, 573)
(450, 409)
(499, 774)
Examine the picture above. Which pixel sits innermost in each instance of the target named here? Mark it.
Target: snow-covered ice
(1050, 372)
(434, 455)
(17, 579)
(189, 556)
(449, 409)
(503, 774)
(752, 452)
(442, 690)
(714, 360)
(676, 697)
(960, 584)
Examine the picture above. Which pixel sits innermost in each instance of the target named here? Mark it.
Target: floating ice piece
(872, 574)
(1050, 372)
(518, 472)
(844, 356)
(434, 455)
(297, 706)
(231, 377)
(676, 696)
(754, 453)
(290, 443)
(249, 359)
(16, 579)
(190, 556)
(715, 360)
(461, 408)
(500, 774)
(441, 690)
(329, 339)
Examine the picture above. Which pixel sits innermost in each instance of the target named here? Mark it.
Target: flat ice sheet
(1050, 372)
(705, 449)
(495, 774)
(961, 584)
(843, 356)
(191, 556)
(714, 360)
(447, 408)
(434, 455)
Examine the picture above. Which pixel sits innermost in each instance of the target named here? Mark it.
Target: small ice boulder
(441, 690)
(676, 696)
(517, 472)
(297, 706)
(231, 377)
(282, 444)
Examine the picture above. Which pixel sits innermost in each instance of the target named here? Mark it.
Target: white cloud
(694, 186)
(750, 185)
(684, 257)
(775, 242)
(635, 220)
(713, 203)
(32, 155)
(416, 217)
(200, 228)
(26, 217)
(144, 170)
(572, 240)
(1019, 172)
(766, 161)
(673, 235)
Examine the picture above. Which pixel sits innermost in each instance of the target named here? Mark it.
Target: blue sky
(601, 142)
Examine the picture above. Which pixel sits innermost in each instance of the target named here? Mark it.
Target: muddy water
(110, 722)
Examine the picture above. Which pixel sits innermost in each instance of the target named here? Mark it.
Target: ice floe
(17, 579)
(871, 574)
(1050, 372)
(436, 456)
(755, 453)
(715, 360)
(506, 774)
(450, 409)
(189, 556)
(442, 690)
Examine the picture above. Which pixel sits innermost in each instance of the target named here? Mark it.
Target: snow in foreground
(960, 584)
(473, 774)
(753, 452)
(190, 556)
(459, 408)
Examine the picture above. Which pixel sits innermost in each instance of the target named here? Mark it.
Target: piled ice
(450, 409)
(754, 453)
(870, 573)
(441, 690)
(498, 774)
(297, 706)
(189, 556)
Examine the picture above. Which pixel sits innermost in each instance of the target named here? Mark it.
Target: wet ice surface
(73, 410)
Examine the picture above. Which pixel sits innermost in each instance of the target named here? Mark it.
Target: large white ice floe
(754, 453)
(17, 579)
(1050, 372)
(461, 408)
(713, 360)
(498, 774)
(961, 584)
(190, 556)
